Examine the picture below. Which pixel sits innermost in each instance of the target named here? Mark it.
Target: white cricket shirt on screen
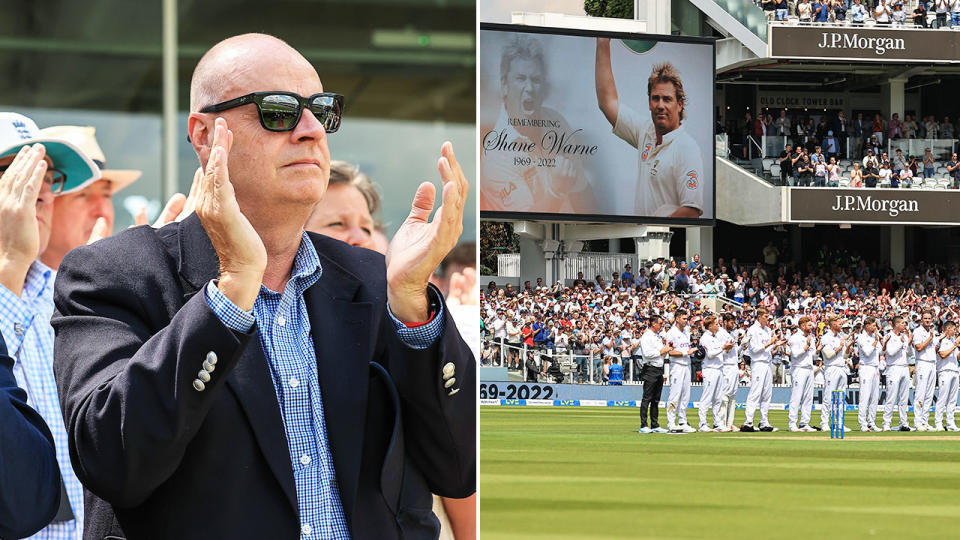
(670, 175)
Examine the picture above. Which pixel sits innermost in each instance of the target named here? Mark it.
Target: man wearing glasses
(36, 169)
(231, 376)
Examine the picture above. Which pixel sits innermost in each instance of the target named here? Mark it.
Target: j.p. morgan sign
(818, 205)
(858, 43)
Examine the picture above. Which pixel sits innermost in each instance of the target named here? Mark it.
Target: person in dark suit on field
(231, 376)
(29, 478)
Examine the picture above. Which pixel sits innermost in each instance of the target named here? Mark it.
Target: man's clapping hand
(20, 188)
(420, 245)
(243, 257)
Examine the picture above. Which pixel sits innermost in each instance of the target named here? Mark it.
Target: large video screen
(595, 126)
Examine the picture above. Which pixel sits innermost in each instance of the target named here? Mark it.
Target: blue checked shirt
(284, 330)
(25, 325)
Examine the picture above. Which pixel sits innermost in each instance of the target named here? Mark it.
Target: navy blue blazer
(29, 477)
(160, 459)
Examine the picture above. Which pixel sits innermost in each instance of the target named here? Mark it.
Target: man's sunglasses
(280, 111)
(55, 178)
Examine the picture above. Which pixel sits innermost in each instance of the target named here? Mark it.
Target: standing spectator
(833, 171)
(857, 12)
(841, 126)
(820, 11)
(954, 169)
(805, 11)
(910, 127)
(878, 128)
(783, 8)
(782, 124)
(830, 142)
(882, 13)
(858, 131)
(946, 128)
(942, 7)
(769, 8)
(954, 13)
(899, 15)
(695, 263)
(820, 173)
(899, 163)
(627, 277)
(871, 174)
(856, 175)
(928, 163)
(933, 128)
(884, 174)
(906, 177)
(895, 127)
(786, 165)
(804, 171)
(839, 11)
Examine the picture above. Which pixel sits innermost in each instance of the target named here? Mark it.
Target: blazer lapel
(342, 336)
(250, 379)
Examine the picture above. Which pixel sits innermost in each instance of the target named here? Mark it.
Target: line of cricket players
(936, 357)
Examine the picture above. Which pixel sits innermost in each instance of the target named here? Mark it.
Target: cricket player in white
(678, 337)
(760, 341)
(948, 372)
(924, 341)
(670, 166)
(898, 375)
(831, 348)
(868, 343)
(712, 370)
(731, 371)
(803, 346)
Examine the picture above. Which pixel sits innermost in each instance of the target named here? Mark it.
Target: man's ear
(200, 135)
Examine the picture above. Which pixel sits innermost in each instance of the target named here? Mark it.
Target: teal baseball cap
(17, 131)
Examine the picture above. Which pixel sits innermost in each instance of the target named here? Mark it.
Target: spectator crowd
(895, 13)
(604, 319)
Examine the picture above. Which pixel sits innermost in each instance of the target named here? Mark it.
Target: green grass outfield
(585, 472)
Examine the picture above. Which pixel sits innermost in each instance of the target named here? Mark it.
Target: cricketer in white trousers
(761, 392)
(926, 376)
(835, 376)
(712, 370)
(761, 376)
(731, 377)
(898, 380)
(869, 395)
(869, 374)
(679, 395)
(802, 350)
(923, 393)
(949, 375)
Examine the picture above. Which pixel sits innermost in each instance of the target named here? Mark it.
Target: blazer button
(198, 385)
(448, 370)
(212, 358)
(204, 376)
(452, 392)
(208, 367)
(449, 383)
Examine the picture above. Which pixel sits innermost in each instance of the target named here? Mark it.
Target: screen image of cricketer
(554, 142)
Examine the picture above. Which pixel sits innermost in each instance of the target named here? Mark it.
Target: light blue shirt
(284, 329)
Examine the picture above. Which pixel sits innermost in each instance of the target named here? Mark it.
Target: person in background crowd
(37, 169)
(920, 14)
(804, 11)
(856, 175)
(953, 169)
(928, 163)
(858, 12)
(948, 374)
(942, 7)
